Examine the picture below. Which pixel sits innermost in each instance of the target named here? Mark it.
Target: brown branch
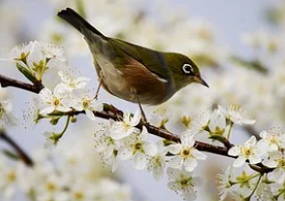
(20, 152)
(111, 112)
(8, 82)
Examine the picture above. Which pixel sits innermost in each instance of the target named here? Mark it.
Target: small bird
(132, 72)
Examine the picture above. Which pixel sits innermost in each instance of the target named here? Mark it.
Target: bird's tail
(78, 22)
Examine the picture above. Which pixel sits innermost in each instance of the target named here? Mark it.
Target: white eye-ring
(187, 69)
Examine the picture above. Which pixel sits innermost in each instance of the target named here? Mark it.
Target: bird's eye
(187, 69)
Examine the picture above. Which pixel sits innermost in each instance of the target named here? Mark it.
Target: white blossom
(183, 183)
(137, 148)
(87, 104)
(121, 129)
(53, 101)
(107, 146)
(78, 191)
(70, 82)
(113, 191)
(8, 182)
(157, 163)
(55, 177)
(278, 190)
(185, 154)
(272, 140)
(224, 184)
(5, 105)
(248, 151)
(276, 160)
(263, 191)
(38, 57)
(238, 183)
(237, 115)
(217, 123)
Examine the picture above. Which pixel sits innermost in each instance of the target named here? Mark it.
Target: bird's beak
(201, 81)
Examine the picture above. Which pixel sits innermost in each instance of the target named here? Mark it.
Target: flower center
(50, 186)
(86, 103)
(115, 152)
(2, 110)
(282, 163)
(56, 102)
(11, 176)
(274, 140)
(186, 153)
(78, 195)
(185, 182)
(138, 146)
(247, 152)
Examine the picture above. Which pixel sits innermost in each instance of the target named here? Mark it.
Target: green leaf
(251, 64)
(167, 142)
(55, 137)
(27, 73)
(38, 117)
(11, 155)
(54, 120)
(219, 138)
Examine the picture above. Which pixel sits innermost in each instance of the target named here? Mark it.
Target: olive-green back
(151, 59)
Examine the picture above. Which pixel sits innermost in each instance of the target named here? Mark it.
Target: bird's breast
(132, 81)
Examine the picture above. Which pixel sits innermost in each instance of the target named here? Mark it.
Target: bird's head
(184, 70)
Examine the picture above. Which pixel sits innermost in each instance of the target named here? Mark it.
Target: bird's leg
(144, 119)
(98, 89)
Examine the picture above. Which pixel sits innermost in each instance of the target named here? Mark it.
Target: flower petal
(240, 161)
(190, 164)
(175, 162)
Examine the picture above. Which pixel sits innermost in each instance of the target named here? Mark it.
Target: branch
(20, 152)
(111, 112)
(8, 82)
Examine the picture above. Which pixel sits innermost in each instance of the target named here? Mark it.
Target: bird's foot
(144, 119)
(98, 90)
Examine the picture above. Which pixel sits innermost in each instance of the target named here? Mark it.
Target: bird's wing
(153, 60)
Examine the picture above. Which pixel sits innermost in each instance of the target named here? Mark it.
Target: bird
(132, 72)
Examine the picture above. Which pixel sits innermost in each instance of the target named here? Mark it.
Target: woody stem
(19, 151)
(111, 112)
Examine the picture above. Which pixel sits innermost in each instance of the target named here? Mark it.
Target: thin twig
(20, 152)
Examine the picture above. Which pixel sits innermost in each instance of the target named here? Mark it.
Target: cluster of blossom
(252, 85)
(245, 184)
(257, 93)
(34, 59)
(122, 140)
(117, 141)
(61, 175)
(5, 107)
(69, 95)
(196, 39)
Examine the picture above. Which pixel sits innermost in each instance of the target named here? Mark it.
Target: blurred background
(238, 44)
